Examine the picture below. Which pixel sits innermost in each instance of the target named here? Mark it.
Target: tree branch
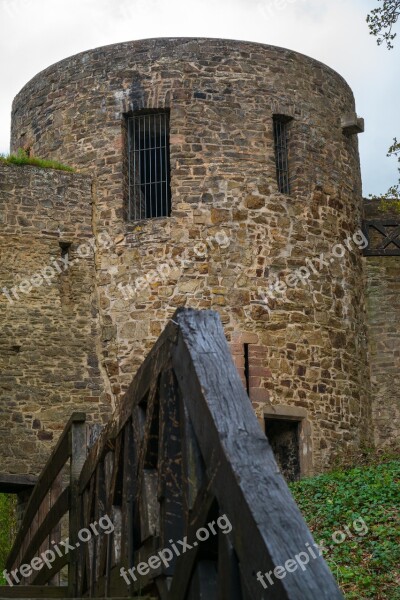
(381, 21)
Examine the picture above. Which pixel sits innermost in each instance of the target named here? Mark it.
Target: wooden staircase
(183, 451)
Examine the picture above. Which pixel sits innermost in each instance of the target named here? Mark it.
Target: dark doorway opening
(283, 435)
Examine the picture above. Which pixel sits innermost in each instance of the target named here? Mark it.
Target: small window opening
(148, 166)
(283, 435)
(281, 129)
(246, 367)
(65, 249)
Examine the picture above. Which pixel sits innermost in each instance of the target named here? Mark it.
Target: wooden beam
(45, 574)
(170, 486)
(52, 518)
(56, 461)
(267, 526)
(78, 451)
(33, 591)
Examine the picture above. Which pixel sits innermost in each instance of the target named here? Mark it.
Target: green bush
(7, 529)
(365, 566)
(22, 158)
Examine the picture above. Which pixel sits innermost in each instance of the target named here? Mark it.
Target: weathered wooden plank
(82, 576)
(56, 489)
(33, 591)
(101, 507)
(45, 574)
(51, 519)
(203, 585)
(97, 452)
(116, 535)
(229, 584)
(136, 536)
(192, 461)
(78, 449)
(43, 510)
(170, 486)
(148, 453)
(146, 502)
(105, 558)
(149, 548)
(128, 496)
(115, 473)
(186, 562)
(147, 505)
(35, 527)
(117, 585)
(119, 589)
(97, 514)
(267, 525)
(87, 552)
(56, 461)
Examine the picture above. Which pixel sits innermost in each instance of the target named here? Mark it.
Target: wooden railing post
(78, 450)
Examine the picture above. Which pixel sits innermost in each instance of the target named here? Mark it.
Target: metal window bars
(281, 123)
(149, 168)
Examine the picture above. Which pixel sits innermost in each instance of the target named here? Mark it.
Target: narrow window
(65, 249)
(247, 367)
(281, 127)
(148, 166)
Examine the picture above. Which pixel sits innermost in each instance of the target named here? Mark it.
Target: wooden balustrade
(53, 498)
(183, 454)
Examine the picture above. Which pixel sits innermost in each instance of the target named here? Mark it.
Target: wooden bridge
(183, 468)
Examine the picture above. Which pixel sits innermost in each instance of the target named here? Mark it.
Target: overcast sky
(37, 33)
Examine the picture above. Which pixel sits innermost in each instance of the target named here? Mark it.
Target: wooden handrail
(185, 447)
(25, 549)
(184, 450)
(57, 511)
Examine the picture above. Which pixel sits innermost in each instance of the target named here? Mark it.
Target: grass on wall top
(22, 158)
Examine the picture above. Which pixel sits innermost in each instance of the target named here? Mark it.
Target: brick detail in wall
(259, 374)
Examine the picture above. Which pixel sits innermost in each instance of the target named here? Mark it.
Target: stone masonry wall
(309, 348)
(48, 356)
(383, 310)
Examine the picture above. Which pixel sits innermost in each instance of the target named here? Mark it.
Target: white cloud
(34, 35)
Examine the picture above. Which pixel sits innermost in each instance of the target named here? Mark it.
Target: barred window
(281, 126)
(148, 166)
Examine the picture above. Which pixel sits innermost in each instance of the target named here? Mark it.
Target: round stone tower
(259, 217)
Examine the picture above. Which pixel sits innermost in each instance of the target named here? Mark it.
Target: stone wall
(48, 356)
(383, 310)
(308, 347)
